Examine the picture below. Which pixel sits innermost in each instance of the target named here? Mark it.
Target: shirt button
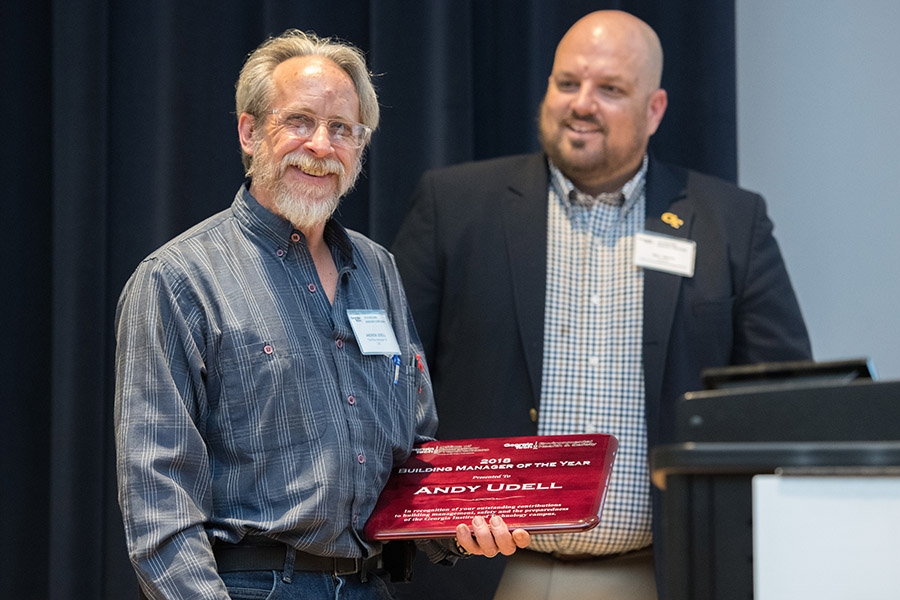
(594, 361)
(311, 287)
(351, 400)
(595, 299)
(360, 458)
(339, 344)
(279, 252)
(295, 237)
(268, 349)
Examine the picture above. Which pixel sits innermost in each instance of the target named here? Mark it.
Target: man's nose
(584, 102)
(319, 143)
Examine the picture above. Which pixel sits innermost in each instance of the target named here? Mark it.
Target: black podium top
(862, 410)
(798, 458)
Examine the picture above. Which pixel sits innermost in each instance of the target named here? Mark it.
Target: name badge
(665, 253)
(373, 332)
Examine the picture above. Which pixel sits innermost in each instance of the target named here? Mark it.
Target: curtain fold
(25, 296)
(121, 133)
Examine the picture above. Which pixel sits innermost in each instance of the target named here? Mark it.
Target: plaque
(544, 484)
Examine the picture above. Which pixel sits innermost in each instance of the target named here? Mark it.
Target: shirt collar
(263, 222)
(625, 197)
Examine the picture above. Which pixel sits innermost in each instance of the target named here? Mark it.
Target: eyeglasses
(302, 124)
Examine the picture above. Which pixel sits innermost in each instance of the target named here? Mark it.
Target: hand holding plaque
(542, 484)
(490, 538)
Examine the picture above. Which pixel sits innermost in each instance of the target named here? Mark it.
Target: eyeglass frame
(357, 140)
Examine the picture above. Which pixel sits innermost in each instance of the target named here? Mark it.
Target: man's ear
(246, 122)
(656, 108)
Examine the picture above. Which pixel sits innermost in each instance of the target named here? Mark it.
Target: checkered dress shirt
(593, 379)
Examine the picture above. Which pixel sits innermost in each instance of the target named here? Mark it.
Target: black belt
(251, 557)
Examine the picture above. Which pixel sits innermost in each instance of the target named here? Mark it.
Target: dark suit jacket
(472, 254)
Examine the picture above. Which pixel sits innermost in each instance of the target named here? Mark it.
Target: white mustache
(312, 166)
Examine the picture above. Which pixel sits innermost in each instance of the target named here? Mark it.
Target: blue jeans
(269, 585)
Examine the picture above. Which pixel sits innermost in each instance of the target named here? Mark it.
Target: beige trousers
(538, 576)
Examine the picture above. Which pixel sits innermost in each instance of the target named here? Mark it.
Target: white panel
(828, 538)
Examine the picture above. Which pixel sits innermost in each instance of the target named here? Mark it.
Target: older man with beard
(255, 426)
(529, 280)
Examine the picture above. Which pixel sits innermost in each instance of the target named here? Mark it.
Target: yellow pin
(672, 220)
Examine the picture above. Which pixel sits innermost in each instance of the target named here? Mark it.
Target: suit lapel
(665, 189)
(524, 218)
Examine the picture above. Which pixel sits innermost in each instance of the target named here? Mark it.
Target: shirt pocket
(392, 411)
(270, 399)
(403, 402)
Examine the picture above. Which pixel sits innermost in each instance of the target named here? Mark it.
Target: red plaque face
(545, 484)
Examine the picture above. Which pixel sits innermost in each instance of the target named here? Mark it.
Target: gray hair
(254, 89)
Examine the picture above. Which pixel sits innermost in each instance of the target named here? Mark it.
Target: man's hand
(490, 538)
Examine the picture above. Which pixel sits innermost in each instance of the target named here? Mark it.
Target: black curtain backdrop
(119, 133)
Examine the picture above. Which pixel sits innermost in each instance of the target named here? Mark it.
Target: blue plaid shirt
(593, 377)
(243, 403)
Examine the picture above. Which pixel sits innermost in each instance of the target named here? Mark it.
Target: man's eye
(300, 121)
(567, 86)
(339, 128)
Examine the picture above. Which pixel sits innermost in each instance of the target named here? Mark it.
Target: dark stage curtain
(119, 133)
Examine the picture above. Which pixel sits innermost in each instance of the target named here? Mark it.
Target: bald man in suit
(583, 289)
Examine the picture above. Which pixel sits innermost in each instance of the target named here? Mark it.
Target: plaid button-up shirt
(243, 403)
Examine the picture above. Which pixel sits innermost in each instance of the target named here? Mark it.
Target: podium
(725, 438)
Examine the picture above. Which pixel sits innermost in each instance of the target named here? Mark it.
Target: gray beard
(292, 204)
(298, 203)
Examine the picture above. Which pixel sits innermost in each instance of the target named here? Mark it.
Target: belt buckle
(357, 567)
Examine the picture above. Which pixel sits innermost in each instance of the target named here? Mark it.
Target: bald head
(603, 100)
(626, 34)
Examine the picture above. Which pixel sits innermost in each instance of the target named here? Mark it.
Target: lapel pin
(672, 220)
